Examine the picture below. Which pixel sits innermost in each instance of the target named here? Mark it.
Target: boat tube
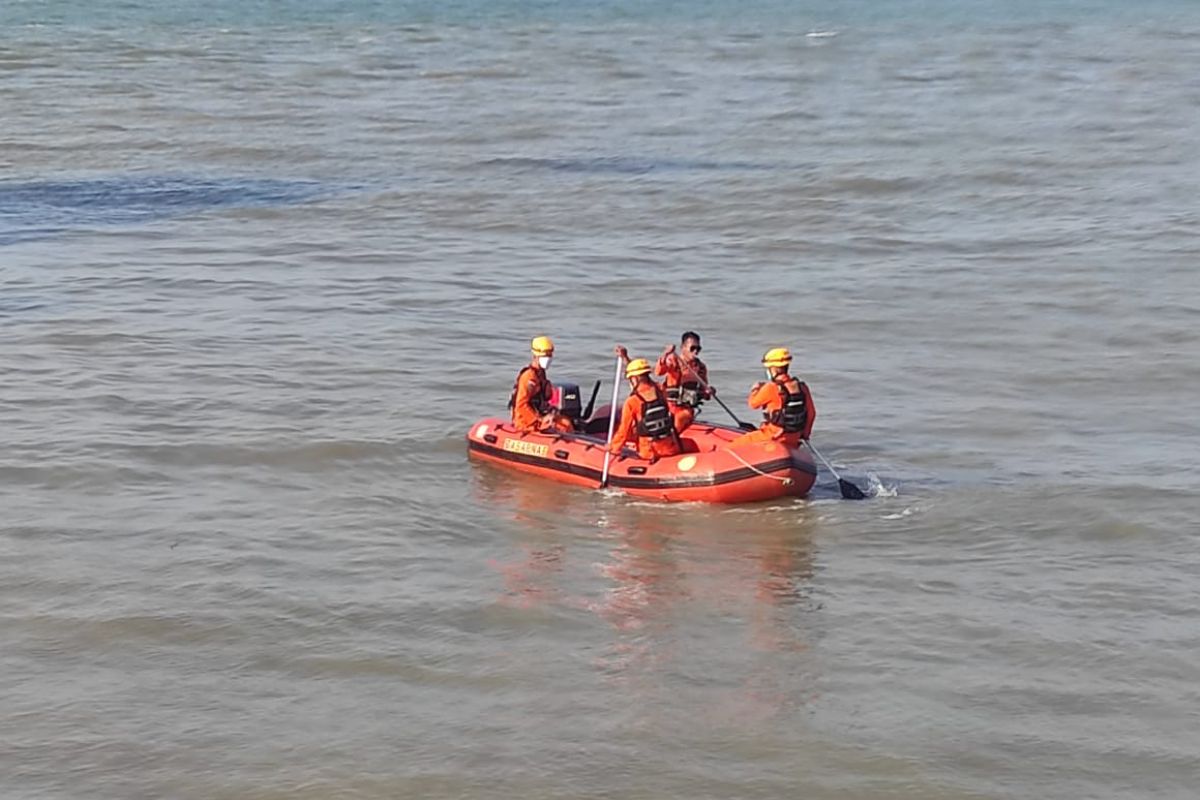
(710, 470)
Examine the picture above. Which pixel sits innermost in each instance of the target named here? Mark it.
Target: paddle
(746, 426)
(849, 490)
(612, 423)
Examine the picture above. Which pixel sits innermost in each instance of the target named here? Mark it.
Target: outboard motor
(566, 399)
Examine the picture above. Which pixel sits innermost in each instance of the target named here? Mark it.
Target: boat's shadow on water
(35, 210)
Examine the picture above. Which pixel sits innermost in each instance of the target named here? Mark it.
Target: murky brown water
(257, 280)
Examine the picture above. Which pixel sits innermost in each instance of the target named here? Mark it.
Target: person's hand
(758, 386)
(712, 391)
(621, 351)
(668, 349)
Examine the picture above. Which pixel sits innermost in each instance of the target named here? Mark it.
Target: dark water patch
(42, 209)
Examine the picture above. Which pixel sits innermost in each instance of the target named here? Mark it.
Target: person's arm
(522, 413)
(761, 395)
(625, 428)
(666, 363)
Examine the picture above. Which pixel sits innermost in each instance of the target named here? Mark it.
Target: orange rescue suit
(631, 416)
(770, 398)
(680, 373)
(531, 402)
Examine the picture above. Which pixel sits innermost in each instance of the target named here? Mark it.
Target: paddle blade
(850, 491)
(746, 426)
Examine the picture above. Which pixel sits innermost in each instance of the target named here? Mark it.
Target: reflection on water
(717, 592)
(645, 582)
(689, 595)
(535, 509)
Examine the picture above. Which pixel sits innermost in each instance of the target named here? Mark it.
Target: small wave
(933, 77)
(486, 73)
(308, 457)
(623, 165)
(16, 304)
(116, 632)
(99, 475)
(794, 113)
(938, 587)
(871, 186)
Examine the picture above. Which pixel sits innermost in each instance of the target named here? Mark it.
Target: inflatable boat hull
(711, 470)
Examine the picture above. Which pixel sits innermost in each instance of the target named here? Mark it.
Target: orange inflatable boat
(710, 470)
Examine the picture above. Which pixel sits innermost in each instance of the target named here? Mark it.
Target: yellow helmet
(638, 366)
(777, 357)
(542, 346)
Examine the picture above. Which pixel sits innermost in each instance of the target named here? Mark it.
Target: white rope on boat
(784, 481)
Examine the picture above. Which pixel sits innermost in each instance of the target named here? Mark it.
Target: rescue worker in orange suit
(687, 379)
(786, 403)
(646, 417)
(530, 400)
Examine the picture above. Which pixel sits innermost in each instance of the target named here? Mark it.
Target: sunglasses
(695, 348)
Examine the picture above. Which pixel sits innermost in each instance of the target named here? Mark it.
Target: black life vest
(657, 422)
(793, 416)
(541, 400)
(687, 393)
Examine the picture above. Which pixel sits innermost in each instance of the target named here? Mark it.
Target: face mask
(543, 361)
